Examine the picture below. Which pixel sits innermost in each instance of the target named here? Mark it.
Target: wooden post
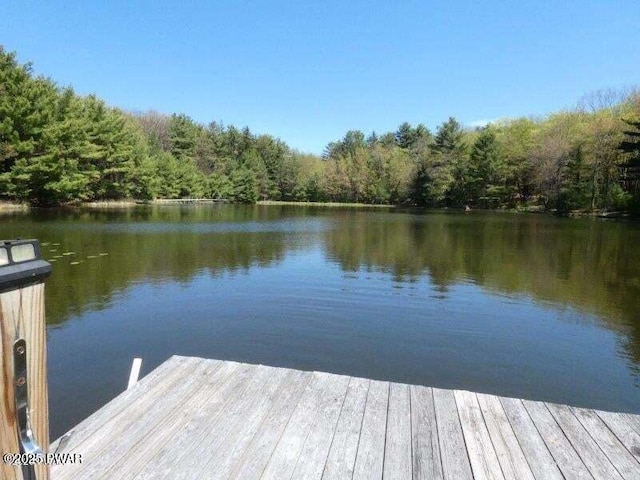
(22, 317)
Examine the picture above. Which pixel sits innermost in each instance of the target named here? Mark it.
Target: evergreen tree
(449, 137)
(183, 136)
(245, 188)
(406, 136)
(486, 174)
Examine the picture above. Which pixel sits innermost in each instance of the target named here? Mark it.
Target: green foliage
(57, 147)
(219, 186)
(245, 186)
(448, 139)
(487, 174)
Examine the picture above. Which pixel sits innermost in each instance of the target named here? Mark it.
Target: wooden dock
(193, 418)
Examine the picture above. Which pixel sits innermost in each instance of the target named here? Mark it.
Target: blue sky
(309, 71)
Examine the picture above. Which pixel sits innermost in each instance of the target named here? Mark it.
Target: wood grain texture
(370, 456)
(397, 450)
(560, 447)
(251, 421)
(161, 379)
(623, 430)
(287, 452)
(22, 316)
(316, 447)
(453, 451)
(125, 433)
(209, 419)
(157, 457)
(424, 436)
(221, 435)
(510, 455)
(344, 447)
(257, 454)
(482, 455)
(539, 458)
(625, 463)
(588, 450)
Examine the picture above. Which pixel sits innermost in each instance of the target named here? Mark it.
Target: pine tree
(449, 137)
(486, 177)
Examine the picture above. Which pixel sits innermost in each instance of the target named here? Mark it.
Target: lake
(528, 306)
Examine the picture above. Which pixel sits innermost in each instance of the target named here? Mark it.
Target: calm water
(525, 306)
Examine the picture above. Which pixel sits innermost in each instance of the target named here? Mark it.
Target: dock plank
(370, 455)
(285, 456)
(592, 456)
(453, 452)
(229, 434)
(625, 432)
(482, 455)
(628, 466)
(510, 455)
(397, 451)
(117, 438)
(539, 458)
(188, 423)
(634, 421)
(259, 451)
(163, 377)
(424, 435)
(218, 420)
(563, 452)
(317, 444)
(344, 447)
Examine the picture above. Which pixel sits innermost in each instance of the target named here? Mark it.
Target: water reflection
(529, 306)
(589, 265)
(584, 264)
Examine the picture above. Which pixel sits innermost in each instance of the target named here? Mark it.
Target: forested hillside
(58, 147)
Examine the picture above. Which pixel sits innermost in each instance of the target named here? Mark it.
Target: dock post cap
(21, 264)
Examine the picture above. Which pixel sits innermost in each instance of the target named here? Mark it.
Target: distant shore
(6, 206)
(323, 204)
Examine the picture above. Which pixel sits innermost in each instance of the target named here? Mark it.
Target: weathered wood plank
(397, 454)
(251, 465)
(563, 452)
(342, 454)
(121, 436)
(424, 435)
(222, 435)
(453, 452)
(22, 316)
(223, 420)
(628, 466)
(160, 379)
(370, 455)
(174, 439)
(482, 455)
(234, 449)
(620, 426)
(315, 450)
(634, 421)
(284, 458)
(510, 455)
(191, 421)
(592, 456)
(538, 456)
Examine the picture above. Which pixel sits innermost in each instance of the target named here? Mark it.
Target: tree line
(58, 147)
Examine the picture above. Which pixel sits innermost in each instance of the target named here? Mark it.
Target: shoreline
(323, 204)
(13, 207)
(7, 207)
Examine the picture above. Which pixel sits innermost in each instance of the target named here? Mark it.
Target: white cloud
(482, 122)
